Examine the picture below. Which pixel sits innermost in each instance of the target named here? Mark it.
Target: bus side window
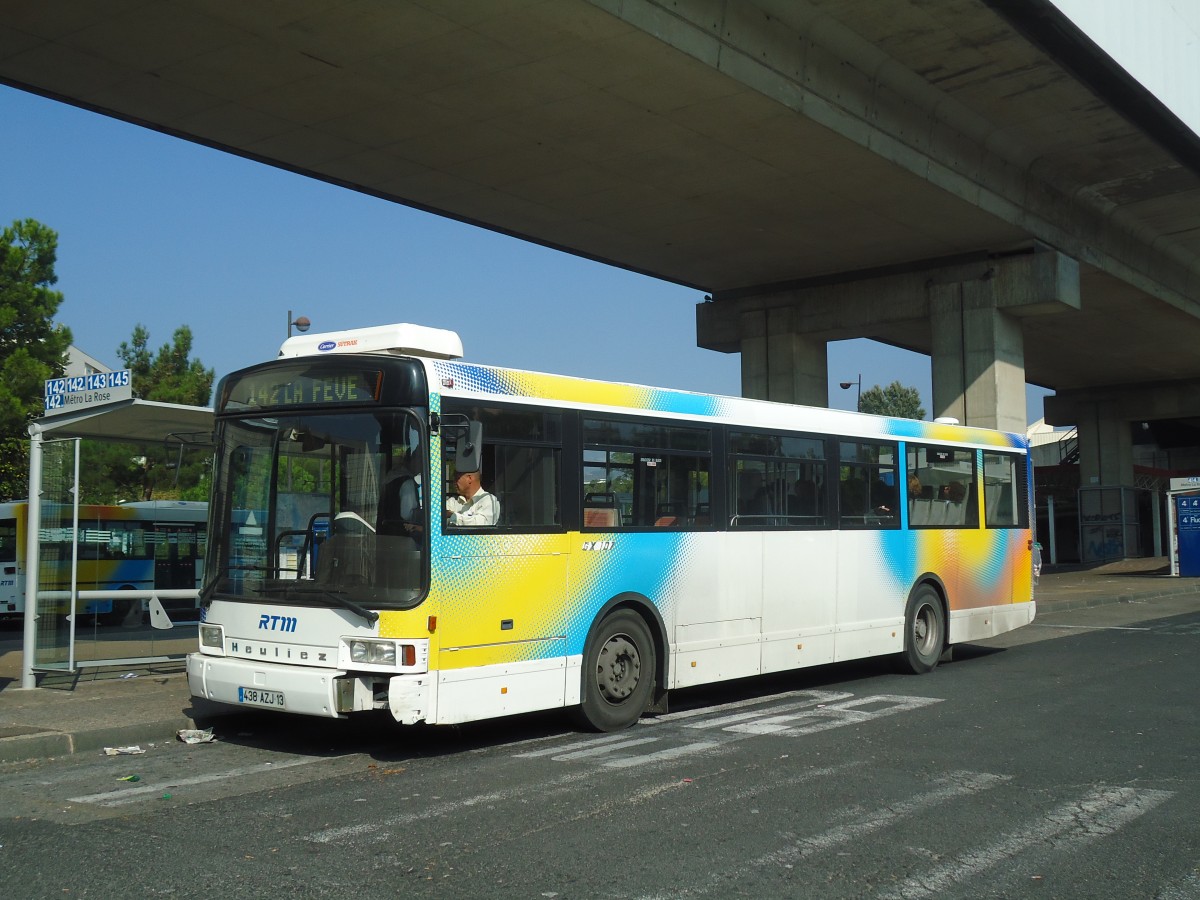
(645, 474)
(868, 491)
(522, 462)
(777, 480)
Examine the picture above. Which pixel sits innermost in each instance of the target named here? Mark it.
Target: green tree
(894, 400)
(127, 471)
(32, 346)
(168, 376)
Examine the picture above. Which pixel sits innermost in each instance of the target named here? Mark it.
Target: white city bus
(646, 539)
(156, 544)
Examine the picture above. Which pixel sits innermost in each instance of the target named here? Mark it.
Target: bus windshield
(321, 509)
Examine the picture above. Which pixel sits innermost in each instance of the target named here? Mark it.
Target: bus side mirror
(468, 450)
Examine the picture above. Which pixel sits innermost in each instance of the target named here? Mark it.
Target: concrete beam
(1103, 417)
(973, 309)
(1132, 402)
(854, 304)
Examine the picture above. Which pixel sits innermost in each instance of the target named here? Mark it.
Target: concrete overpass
(970, 179)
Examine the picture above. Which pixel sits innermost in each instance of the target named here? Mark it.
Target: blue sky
(158, 231)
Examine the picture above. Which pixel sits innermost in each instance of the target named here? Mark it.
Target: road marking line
(1098, 814)
(606, 748)
(724, 721)
(814, 696)
(577, 745)
(554, 785)
(121, 796)
(661, 755)
(1091, 627)
(834, 715)
(953, 786)
(950, 787)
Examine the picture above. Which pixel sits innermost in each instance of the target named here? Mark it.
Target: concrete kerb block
(18, 745)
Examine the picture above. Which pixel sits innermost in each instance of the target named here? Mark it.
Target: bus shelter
(51, 625)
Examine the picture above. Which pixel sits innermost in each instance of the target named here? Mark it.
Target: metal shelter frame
(133, 421)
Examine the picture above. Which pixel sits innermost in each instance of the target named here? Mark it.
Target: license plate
(256, 697)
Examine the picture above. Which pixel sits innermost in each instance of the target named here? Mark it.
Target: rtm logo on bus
(277, 623)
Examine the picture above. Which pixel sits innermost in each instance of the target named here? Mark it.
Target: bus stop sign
(1187, 519)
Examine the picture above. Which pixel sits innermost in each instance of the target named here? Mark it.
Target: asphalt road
(1058, 761)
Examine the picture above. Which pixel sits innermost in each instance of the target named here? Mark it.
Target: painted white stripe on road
(1090, 627)
(555, 785)
(577, 745)
(607, 748)
(726, 721)
(625, 762)
(806, 696)
(951, 787)
(1097, 815)
(121, 796)
(835, 715)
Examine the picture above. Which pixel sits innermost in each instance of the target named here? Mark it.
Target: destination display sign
(286, 387)
(77, 392)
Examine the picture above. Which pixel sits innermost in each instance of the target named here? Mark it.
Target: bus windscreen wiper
(338, 597)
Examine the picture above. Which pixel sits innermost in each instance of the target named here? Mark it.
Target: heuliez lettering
(275, 652)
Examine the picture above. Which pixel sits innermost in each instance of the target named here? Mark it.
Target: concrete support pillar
(1105, 445)
(978, 361)
(780, 365)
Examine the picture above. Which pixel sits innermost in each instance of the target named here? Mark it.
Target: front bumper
(308, 691)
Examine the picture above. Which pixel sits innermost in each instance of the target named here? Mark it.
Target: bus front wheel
(618, 673)
(924, 631)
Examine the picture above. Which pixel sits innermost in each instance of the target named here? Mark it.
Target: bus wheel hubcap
(618, 668)
(922, 629)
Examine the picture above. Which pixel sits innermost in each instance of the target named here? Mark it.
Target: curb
(1046, 606)
(40, 743)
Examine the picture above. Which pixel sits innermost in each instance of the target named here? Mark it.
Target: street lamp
(846, 385)
(302, 324)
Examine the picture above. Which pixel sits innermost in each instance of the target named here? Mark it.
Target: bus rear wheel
(924, 631)
(618, 673)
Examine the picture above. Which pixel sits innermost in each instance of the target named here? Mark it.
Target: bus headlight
(212, 637)
(375, 653)
(381, 655)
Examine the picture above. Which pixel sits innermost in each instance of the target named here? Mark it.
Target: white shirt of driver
(481, 510)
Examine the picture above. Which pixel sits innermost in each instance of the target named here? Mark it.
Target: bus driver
(473, 506)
